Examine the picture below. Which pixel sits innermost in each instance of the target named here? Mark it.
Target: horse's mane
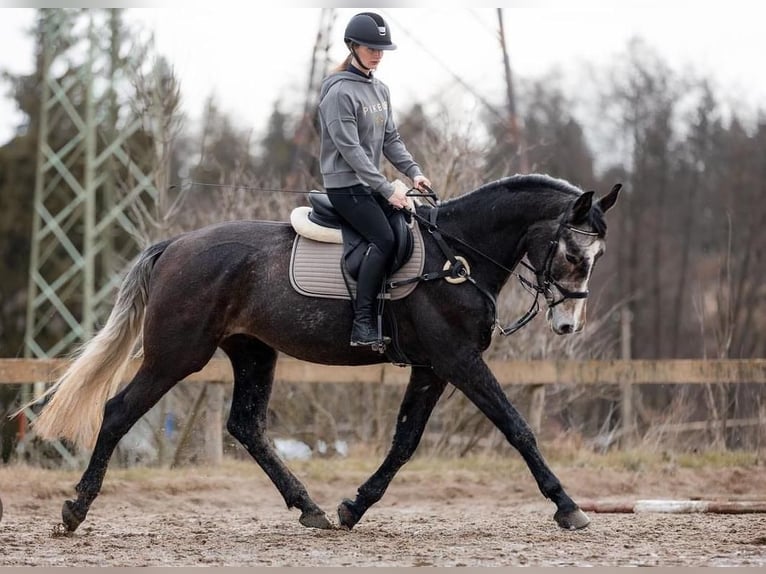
(530, 181)
(527, 182)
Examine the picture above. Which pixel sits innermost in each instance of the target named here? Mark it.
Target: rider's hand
(399, 198)
(421, 182)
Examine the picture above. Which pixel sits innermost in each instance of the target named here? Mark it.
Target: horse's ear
(606, 202)
(581, 207)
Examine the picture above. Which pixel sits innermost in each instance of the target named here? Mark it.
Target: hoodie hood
(336, 77)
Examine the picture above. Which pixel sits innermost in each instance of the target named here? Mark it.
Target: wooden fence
(667, 371)
(536, 374)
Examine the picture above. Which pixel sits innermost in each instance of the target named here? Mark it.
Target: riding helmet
(369, 29)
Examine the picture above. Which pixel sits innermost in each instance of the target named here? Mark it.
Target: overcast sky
(250, 56)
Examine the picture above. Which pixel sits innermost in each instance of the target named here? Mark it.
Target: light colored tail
(76, 408)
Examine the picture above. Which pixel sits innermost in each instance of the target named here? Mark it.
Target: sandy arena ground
(443, 513)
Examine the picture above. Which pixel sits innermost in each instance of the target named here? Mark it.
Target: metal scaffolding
(86, 183)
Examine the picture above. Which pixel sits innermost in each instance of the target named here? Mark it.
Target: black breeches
(367, 212)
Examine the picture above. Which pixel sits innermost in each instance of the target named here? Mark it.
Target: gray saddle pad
(315, 268)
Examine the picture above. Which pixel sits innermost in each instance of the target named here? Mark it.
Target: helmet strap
(357, 59)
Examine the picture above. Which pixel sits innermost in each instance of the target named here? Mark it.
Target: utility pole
(517, 137)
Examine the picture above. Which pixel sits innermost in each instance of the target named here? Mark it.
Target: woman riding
(357, 129)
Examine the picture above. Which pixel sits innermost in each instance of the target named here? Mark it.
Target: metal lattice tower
(305, 134)
(320, 60)
(82, 229)
(86, 183)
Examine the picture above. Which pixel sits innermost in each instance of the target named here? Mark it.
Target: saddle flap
(315, 268)
(354, 244)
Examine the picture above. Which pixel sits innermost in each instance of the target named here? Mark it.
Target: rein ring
(463, 277)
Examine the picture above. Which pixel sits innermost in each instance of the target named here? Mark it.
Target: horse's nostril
(566, 329)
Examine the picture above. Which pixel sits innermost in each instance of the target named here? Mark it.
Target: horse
(225, 286)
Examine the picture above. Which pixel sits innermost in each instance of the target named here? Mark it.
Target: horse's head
(563, 253)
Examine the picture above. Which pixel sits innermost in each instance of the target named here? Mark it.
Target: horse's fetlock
(298, 498)
(552, 489)
(86, 493)
(234, 429)
(349, 513)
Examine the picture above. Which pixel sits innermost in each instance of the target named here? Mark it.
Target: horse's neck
(496, 223)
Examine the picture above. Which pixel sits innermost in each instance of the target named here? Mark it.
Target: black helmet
(369, 29)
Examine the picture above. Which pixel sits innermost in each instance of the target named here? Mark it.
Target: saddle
(327, 252)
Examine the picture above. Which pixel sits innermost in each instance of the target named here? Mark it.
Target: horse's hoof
(574, 520)
(316, 519)
(346, 515)
(69, 516)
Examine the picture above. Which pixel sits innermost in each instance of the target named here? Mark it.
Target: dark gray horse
(226, 286)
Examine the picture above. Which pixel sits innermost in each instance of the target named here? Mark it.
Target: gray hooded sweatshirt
(357, 129)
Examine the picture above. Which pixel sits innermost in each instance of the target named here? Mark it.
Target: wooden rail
(674, 371)
(537, 374)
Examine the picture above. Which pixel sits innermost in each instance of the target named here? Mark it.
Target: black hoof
(574, 520)
(347, 516)
(70, 517)
(315, 519)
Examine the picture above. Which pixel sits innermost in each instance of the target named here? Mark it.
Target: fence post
(188, 425)
(626, 388)
(214, 424)
(536, 408)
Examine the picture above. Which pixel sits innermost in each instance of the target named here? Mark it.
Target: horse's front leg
(473, 377)
(423, 392)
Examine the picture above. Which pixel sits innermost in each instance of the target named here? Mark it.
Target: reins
(457, 267)
(458, 270)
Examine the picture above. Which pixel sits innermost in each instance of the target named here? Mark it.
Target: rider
(357, 128)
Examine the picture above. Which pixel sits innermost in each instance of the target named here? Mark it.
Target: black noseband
(545, 279)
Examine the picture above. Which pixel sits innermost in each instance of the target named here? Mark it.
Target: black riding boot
(364, 330)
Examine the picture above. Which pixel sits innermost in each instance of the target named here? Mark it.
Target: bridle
(544, 280)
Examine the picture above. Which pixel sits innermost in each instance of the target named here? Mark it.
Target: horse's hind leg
(420, 398)
(120, 414)
(254, 364)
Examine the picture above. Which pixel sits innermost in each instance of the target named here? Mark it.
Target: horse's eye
(573, 259)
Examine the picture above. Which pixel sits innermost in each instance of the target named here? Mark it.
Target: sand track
(232, 516)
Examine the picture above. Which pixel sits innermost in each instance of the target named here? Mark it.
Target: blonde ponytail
(343, 65)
